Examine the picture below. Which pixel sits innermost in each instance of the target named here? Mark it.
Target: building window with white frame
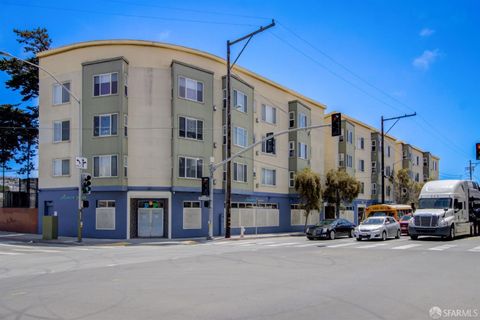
(291, 119)
(61, 167)
(374, 145)
(105, 125)
(374, 188)
(374, 166)
(389, 151)
(291, 179)
(105, 215)
(361, 165)
(59, 94)
(240, 137)
(61, 131)
(125, 125)
(125, 166)
(190, 168)
(240, 101)
(190, 128)
(269, 114)
(105, 84)
(434, 165)
(264, 147)
(190, 89)
(362, 187)
(302, 151)
(269, 177)
(361, 143)
(105, 166)
(239, 172)
(302, 120)
(349, 161)
(291, 149)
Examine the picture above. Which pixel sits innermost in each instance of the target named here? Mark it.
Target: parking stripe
(408, 246)
(444, 247)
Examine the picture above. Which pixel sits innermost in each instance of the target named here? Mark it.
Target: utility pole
(382, 171)
(228, 192)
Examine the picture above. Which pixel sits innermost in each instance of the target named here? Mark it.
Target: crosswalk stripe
(281, 244)
(407, 246)
(341, 245)
(371, 246)
(10, 253)
(444, 247)
(476, 249)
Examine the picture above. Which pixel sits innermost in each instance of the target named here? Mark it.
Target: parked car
(404, 223)
(331, 229)
(378, 228)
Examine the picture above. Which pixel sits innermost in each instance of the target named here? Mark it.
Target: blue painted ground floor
(163, 212)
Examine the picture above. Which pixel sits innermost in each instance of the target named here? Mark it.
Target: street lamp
(80, 223)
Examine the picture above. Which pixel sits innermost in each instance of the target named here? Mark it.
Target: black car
(331, 229)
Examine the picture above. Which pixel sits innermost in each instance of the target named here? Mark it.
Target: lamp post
(80, 222)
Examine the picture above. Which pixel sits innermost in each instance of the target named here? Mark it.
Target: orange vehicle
(396, 211)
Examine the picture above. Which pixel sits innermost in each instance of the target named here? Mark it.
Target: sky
(365, 58)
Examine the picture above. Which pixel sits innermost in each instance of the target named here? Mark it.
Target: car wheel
(413, 237)
(398, 235)
(452, 233)
(351, 234)
(358, 239)
(310, 238)
(384, 236)
(332, 235)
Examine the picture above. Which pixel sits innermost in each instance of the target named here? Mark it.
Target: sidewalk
(72, 241)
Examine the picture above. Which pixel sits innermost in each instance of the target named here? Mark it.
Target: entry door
(150, 222)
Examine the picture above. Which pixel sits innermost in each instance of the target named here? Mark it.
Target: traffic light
(477, 153)
(86, 183)
(205, 186)
(336, 124)
(270, 144)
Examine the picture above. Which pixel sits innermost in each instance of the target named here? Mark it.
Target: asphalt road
(276, 278)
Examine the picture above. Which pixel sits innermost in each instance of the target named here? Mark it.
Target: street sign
(203, 198)
(81, 162)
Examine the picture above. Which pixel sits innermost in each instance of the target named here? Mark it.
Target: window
(434, 165)
(105, 125)
(374, 145)
(374, 166)
(291, 149)
(387, 171)
(125, 166)
(362, 187)
(190, 128)
(291, 119)
(389, 191)
(341, 159)
(302, 151)
(125, 77)
(239, 172)
(60, 94)
(61, 167)
(417, 177)
(190, 89)
(361, 143)
(418, 161)
(61, 131)
(302, 120)
(425, 161)
(388, 151)
(240, 101)
(374, 188)
(350, 137)
(240, 137)
(125, 125)
(269, 114)
(291, 179)
(361, 165)
(191, 204)
(269, 177)
(264, 146)
(105, 215)
(190, 167)
(105, 84)
(105, 166)
(349, 161)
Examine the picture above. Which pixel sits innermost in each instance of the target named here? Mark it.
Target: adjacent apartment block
(152, 118)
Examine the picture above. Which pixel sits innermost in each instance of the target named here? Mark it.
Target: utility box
(50, 227)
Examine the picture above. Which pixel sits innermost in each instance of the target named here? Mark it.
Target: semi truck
(447, 209)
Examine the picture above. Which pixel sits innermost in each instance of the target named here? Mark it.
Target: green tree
(340, 188)
(307, 184)
(406, 190)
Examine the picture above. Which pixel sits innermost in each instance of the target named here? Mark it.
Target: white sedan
(378, 228)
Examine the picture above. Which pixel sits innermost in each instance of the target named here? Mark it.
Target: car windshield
(373, 221)
(434, 203)
(406, 218)
(325, 222)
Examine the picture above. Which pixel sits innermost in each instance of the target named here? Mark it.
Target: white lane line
(407, 246)
(306, 245)
(10, 253)
(444, 247)
(37, 250)
(476, 249)
(371, 246)
(342, 245)
(220, 243)
(282, 244)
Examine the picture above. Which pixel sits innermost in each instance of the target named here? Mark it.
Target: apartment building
(153, 117)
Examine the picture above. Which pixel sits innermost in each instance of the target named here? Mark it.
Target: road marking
(341, 245)
(444, 247)
(282, 244)
(476, 249)
(11, 235)
(37, 250)
(371, 246)
(220, 243)
(307, 245)
(408, 246)
(10, 253)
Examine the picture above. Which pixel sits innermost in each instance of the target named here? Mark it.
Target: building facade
(153, 117)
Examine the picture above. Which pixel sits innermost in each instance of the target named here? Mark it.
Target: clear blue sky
(365, 58)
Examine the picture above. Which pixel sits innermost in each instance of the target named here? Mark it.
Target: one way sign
(81, 162)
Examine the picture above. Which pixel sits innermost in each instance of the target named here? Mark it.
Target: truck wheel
(451, 236)
(413, 237)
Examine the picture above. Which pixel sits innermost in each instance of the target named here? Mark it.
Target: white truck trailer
(446, 208)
